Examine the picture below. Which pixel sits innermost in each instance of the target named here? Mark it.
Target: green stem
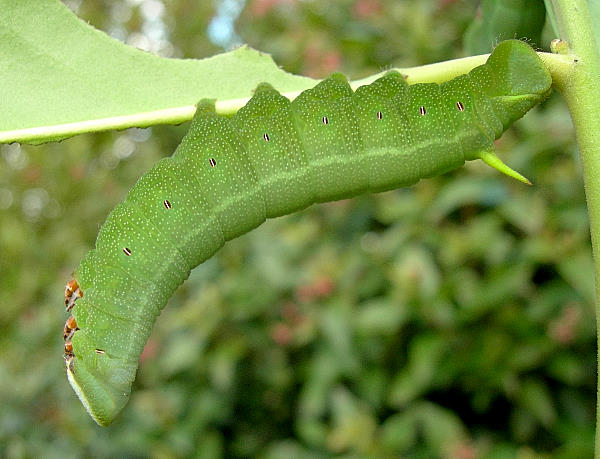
(581, 90)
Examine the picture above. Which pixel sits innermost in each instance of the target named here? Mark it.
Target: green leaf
(425, 355)
(502, 20)
(535, 398)
(62, 77)
(442, 429)
(552, 17)
(399, 431)
(577, 269)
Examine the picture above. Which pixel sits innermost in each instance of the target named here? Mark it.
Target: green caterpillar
(272, 158)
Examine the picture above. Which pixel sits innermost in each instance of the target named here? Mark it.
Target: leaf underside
(62, 77)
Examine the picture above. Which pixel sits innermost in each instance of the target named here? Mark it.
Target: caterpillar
(272, 158)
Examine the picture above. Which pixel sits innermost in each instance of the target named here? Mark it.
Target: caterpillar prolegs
(272, 158)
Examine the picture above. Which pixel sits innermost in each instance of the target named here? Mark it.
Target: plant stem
(581, 90)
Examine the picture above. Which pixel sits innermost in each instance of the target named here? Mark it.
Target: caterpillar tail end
(491, 159)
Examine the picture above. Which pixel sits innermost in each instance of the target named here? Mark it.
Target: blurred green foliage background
(452, 319)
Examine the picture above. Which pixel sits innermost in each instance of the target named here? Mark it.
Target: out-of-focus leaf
(288, 448)
(469, 191)
(552, 17)
(425, 354)
(379, 317)
(417, 272)
(399, 432)
(535, 398)
(504, 283)
(578, 270)
(568, 368)
(522, 423)
(321, 377)
(442, 429)
(503, 20)
(353, 424)
(527, 213)
(501, 451)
